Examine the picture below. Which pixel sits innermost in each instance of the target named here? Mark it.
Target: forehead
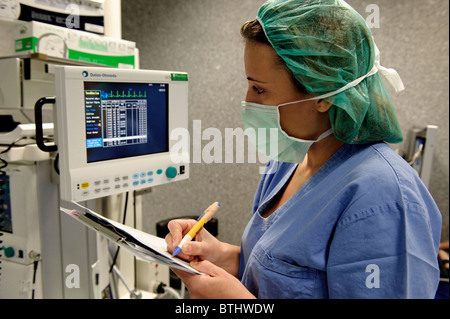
(257, 53)
(262, 62)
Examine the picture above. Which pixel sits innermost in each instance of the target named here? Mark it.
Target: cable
(116, 270)
(56, 163)
(4, 165)
(35, 266)
(161, 288)
(37, 257)
(417, 155)
(123, 222)
(8, 148)
(134, 293)
(134, 226)
(182, 290)
(172, 292)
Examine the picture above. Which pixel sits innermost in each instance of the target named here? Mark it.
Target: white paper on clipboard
(138, 243)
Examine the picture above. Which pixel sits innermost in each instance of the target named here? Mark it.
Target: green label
(93, 45)
(179, 77)
(26, 44)
(114, 61)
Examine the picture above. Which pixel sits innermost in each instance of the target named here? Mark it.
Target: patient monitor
(112, 129)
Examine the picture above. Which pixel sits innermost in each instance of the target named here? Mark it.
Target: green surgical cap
(329, 47)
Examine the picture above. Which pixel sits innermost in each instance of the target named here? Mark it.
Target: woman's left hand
(215, 284)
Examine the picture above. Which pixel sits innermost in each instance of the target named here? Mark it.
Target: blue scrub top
(364, 226)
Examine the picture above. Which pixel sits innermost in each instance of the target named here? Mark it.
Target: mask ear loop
(345, 88)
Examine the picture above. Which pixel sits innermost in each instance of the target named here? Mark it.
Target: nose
(247, 96)
(251, 96)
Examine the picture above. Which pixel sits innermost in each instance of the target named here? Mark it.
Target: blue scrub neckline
(346, 151)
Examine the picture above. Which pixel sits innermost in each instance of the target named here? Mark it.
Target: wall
(202, 38)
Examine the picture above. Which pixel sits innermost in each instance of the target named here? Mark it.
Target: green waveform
(130, 94)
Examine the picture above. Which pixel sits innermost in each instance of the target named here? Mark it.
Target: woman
(338, 214)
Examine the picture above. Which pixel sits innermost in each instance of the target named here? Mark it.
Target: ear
(323, 106)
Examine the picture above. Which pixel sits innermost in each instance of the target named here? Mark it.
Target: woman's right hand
(203, 247)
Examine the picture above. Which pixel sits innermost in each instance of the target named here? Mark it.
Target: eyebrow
(253, 80)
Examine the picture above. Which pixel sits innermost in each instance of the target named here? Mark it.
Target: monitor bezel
(70, 134)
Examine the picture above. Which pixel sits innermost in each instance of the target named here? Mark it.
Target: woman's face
(270, 83)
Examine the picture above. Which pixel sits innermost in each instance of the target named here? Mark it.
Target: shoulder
(375, 159)
(377, 168)
(385, 186)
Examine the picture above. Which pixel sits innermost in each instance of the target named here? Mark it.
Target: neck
(320, 152)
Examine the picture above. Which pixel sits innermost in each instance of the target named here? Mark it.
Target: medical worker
(338, 214)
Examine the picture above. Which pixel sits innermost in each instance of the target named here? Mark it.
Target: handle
(38, 120)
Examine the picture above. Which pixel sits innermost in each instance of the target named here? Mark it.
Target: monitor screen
(125, 119)
(114, 130)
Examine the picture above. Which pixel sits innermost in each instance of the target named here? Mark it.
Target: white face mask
(263, 128)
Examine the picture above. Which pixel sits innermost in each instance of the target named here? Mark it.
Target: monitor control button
(171, 172)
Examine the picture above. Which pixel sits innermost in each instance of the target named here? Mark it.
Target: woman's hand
(216, 283)
(204, 246)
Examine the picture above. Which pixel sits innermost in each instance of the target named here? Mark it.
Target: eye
(257, 90)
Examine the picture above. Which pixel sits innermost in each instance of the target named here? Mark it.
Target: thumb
(194, 248)
(206, 267)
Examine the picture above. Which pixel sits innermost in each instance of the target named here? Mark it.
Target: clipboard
(138, 243)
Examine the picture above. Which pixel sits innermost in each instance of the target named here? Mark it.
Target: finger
(194, 248)
(177, 228)
(184, 257)
(171, 249)
(176, 232)
(183, 275)
(169, 241)
(206, 267)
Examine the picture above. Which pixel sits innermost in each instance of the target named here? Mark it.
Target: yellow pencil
(201, 221)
